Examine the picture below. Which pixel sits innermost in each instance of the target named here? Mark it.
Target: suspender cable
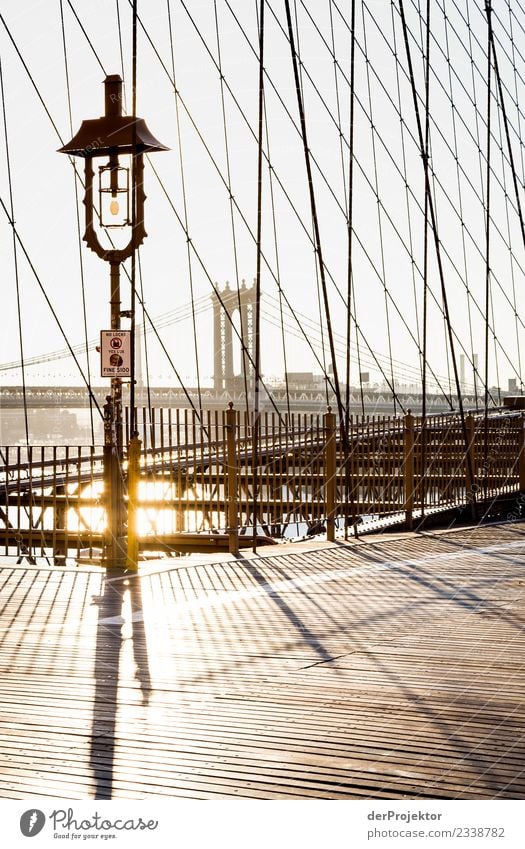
(382, 271)
(350, 208)
(240, 212)
(97, 57)
(315, 220)
(79, 233)
(350, 294)
(257, 328)
(460, 205)
(437, 245)
(390, 45)
(312, 238)
(245, 365)
(184, 204)
(277, 263)
(506, 126)
(488, 11)
(48, 302)
(425, 262)
(15, 257)
(132, 411)
(121, 50)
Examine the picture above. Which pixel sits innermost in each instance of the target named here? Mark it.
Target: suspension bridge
(362, 165)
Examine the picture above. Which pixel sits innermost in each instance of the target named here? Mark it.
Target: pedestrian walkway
(390, 667)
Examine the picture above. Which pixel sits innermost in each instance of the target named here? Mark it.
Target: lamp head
(113, 133)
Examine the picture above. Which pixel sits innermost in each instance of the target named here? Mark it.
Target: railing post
(470, 459)
(60, 547)
(408, 464)
(330, 473)
(231, 481)
(133, 485)
(114, 555)
(521, 455)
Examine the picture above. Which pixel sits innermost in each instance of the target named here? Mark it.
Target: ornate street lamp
(116, 202)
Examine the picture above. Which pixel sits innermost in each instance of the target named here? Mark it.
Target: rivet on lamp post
(119, 189)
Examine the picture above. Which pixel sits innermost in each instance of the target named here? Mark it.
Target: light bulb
(114, 207)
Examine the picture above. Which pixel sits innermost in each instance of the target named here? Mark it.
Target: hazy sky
(212, 150)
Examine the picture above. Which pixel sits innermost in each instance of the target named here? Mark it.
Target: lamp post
(119, 205)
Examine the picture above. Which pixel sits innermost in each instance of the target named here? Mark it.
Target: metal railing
(196, 475)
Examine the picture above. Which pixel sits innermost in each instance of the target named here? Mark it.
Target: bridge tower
(226, 305)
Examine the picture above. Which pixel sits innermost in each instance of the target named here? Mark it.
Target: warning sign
(115, 353)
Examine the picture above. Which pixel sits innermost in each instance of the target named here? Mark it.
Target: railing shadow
(110, 640)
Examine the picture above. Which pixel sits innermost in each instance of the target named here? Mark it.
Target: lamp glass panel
(114, 206)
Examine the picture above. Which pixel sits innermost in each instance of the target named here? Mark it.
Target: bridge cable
(425, 259)
(121, 49)
(382, 273)
(70, 348)
(242, 322)
(49, 304)
(257, 329)
(312, 237)
(215, 289)
(79, 234)
(87, 37)
(161, 60)
(276, 176)
(323, 176)
(465, 283)
(507, 133)
(348, 189)
(389, 154)
(511, 36)
(280, 183)
(437, 247)
(15, 255)
(144, 338)
(487, 243)
(511, 262)
(184, 200)
(133, 294)
(212, 159)
(516, 96)
(460, 209)
(158, 56)
(313, 206)
(277, 260)
(350, 291)
(358, 351)
(141, 300)
(404, 176)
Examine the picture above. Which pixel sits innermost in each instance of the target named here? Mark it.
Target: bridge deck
(391, 667)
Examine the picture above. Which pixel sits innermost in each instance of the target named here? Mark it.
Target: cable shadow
(483, 770)
(306, 634)
(110, 639)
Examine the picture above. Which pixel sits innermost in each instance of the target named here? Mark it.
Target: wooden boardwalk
(388, 668)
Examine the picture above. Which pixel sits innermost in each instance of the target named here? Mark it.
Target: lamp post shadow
(109, 644)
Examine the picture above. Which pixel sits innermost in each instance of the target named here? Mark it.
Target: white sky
(44, 198)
